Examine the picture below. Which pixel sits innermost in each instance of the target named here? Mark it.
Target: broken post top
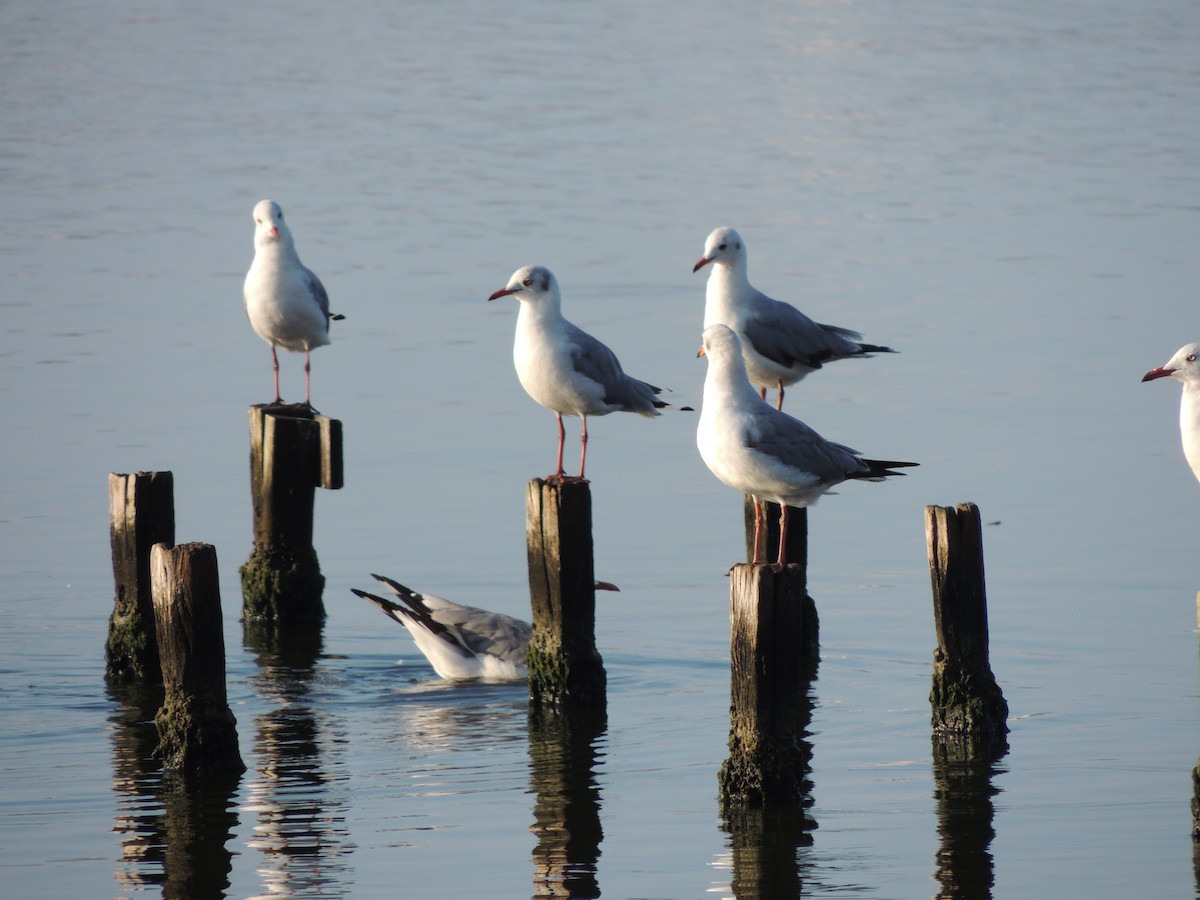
(311, 440)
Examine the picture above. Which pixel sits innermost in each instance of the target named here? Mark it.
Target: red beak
(1158, 373)
(701, 263)
(503, 292)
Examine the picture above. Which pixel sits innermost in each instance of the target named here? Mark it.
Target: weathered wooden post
(1196, 804)
(293, 451)
(797, 553)
(769, 678)
(142, 513)
(967, 702)
(196, 730)
(565, 668)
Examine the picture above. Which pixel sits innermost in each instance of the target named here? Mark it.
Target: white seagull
(461, 642)
(756, 449)
(1185, 366)
(780, 344)
(286, 303)
(564, 368)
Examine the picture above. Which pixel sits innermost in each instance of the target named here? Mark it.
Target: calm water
(1008, 196)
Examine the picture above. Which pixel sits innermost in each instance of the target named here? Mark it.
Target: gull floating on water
(461, 642)
(286, 302)
(754, 448)
(564, 368)
(1185, 366)
(779, 343)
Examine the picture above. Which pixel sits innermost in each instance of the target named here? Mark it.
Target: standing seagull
(286, 303)
(461, 642)
(564, 368)
(761, 451)
(780, 344)
(1185, 366)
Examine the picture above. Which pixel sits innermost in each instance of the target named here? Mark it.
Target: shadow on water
(301, 832)
(564, 750)
(175, 829)
(963, 788)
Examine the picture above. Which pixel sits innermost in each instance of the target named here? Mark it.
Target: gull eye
(723, 246)
(1192, 358)
(527, 282)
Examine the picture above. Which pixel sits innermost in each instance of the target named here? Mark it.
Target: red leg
(307, 366)
(762, 392)
(779, 402)
(562, 434)
(275, 365)
(758, 531)
(583, 451)
(783, 517)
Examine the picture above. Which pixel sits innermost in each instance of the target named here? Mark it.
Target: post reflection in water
(301, 831)
(764, 838)
(564, 748)
(175, 829)
(963, 789)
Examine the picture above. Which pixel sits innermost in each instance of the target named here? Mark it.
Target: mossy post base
(197, 732)
(293, 451)
(142, 513)
(797, 554)
(769, 710)
(565, 669)
(966, 701)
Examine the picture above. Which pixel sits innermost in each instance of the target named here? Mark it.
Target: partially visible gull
(780, 344)
(1185, 367)
(461, 642)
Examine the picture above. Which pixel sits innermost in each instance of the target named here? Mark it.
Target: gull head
(1184, 365)
(719, 345)
(268, 221)
(723, 246)
(529, 284)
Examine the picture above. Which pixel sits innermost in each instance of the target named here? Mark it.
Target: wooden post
(797, 554)
(565, 669)
(142, 513)
(967, 702)
(196, 729)
(769, 678)
(1196, 804)
(292, 452)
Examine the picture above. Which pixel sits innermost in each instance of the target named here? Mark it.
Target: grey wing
(786, 336)
(798, 446)
(318, 293)
(487, 632)
(593, 359)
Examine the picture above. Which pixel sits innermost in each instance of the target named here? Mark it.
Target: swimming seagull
(564, 368)
(1185, 366)
(461, 642)
(754, 448)
(286, 302)
(780, 344)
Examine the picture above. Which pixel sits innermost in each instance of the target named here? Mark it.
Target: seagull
(461, 642)
(286, 302)
(754, 448)
(780, 344)
(1185, 366)
(564, 368)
